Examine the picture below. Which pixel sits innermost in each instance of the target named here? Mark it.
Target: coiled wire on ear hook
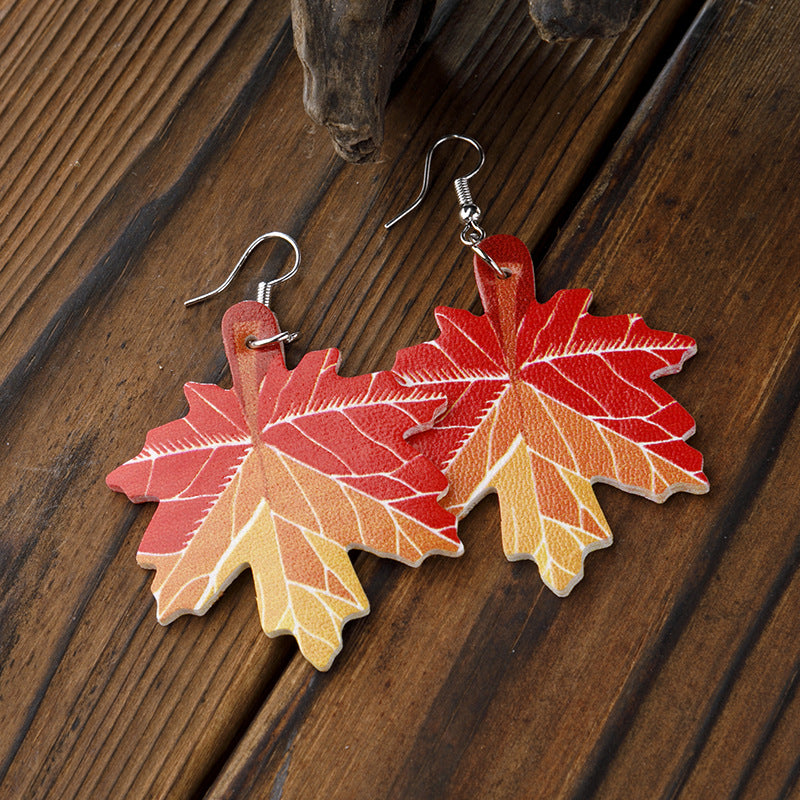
(264, 293)
(472, 234)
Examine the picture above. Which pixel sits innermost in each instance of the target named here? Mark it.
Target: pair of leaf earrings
(289, 469)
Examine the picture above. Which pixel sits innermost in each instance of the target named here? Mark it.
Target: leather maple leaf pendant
(284, 473)
(545, 399)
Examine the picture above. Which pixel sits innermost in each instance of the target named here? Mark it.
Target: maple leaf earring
(544, 400)
(284, 473)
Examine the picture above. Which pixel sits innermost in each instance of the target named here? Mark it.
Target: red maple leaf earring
(284, 473)
(544, 400)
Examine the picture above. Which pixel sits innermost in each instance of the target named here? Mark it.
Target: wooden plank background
(142, 147)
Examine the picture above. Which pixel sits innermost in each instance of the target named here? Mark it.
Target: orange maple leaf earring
(544, 400)
(284, 473)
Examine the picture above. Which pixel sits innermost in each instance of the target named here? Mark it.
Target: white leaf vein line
(470, 375)
(604, 435)
(347, 488)
(575, 324)
(579, 502)
(233, 543)
(552, 318)
(480, 348)
(557, 427)
(601, 422)
(284, 459)
(636, 389)
(648, 455)
(215, 408)
(368, 398)
(385, 446)
(318, 637)
(174, 447)
(153, 452)
(487, 481)
(583, 390)
(317, 443)
(603, 346)
(608, 341)
(326, 592)
(475, 424)
(362, 534)
(311, 401)
(213, 498)
(318, 592)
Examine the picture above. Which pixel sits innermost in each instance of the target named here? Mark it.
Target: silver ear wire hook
(461, 184)
(472, 234)
(264, 294)
(264, 288)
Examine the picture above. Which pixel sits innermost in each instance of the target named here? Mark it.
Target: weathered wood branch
(564, 20)
(351, 53)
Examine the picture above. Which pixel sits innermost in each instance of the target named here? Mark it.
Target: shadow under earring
(544, 400)
(284, 473)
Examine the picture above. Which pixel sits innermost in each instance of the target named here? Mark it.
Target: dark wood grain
(142, 148)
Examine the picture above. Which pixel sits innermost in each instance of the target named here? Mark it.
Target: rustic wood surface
(142, 147)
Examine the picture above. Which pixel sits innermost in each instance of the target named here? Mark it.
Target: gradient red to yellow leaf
(545, 399)
(284, 473)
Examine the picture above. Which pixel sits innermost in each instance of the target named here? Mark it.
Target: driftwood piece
(352, 51)
(564, 20)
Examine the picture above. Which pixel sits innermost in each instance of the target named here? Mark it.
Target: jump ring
(257, 344)
(499, 271)
(472, 234)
